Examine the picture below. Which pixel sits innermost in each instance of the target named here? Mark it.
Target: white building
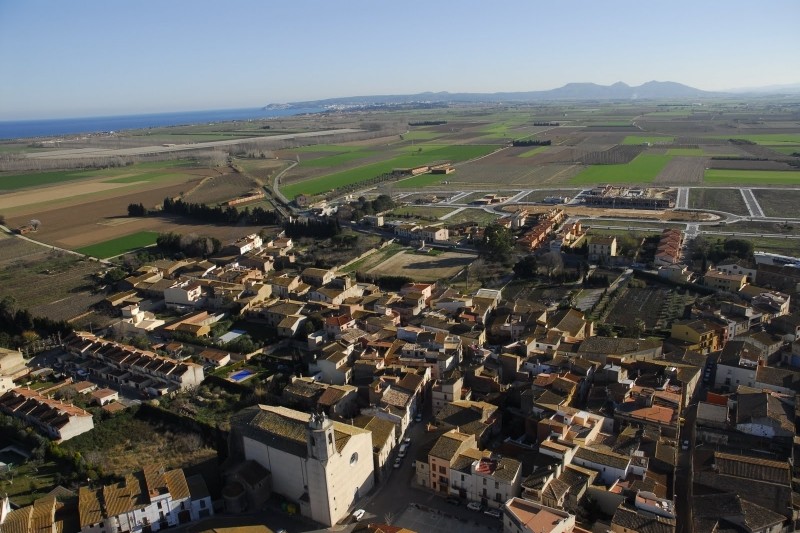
(153, 498)
(523, 516)
(183, 295)
(323, 466)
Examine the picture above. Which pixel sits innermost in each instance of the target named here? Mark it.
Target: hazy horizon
(94, 58)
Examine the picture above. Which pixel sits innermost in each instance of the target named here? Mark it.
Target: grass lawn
(752, 177)
(639, 139)
(686, 151)
(537, 150)
(121, 245)
(642, 169)
(323, 184)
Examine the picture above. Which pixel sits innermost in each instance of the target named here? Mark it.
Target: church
(322, 465)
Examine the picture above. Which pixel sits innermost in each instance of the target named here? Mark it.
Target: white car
(407, 440)
(474, 506)
(358, 514)
(397, 463)
(494, 513)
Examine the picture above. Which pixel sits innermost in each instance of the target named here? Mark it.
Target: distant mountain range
(652, 90)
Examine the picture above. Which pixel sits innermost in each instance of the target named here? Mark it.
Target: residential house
(152, 499)
(523, 516)
(602, 248)
(58, 420)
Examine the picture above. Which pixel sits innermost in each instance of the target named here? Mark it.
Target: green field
(537, 150)
(422, 211)
(639, 139)
(142, 171)
(327, 148)
(323, 184)
(642, 169)
(334, 160)
(752, 177)
(686, 151)
(121, 245)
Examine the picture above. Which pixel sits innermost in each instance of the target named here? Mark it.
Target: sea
(21, 129)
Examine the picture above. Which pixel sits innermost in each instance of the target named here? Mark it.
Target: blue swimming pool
(241, 375)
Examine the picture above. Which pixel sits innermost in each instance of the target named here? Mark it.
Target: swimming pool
(241, 375)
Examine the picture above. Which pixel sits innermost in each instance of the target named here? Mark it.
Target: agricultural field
(637, 303)
(366, 263)
(682, 170)
(643, 169)
(56, 285)
(454, 153)
(120, 245)
(422, 180)
(752, 177)
(422, 267)
(13, 249)
(686, 152)
(778, 202)
(787, 245)
(534, 151)
(220, 188)
(727, 200)
(640, 139)
(770, 139)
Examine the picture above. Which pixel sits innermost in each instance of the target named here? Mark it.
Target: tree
(497, 242)
(552, 262)
(527, 267)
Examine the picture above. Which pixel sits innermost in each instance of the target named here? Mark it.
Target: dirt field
(778, 202)
(104, 219)
(422, 267)
(682, 171)
(221, 188)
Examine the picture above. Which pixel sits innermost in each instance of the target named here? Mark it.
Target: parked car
(453, 501)
(494, 513)
(407, 440)
(685, 445)
(474, 506)
(397, 463)
(358, 514)
(418, 418)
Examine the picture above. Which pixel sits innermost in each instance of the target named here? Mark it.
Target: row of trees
(220, 215)
(428, 123)
(19, 327)
(531, 142)
(190, 244)
(363, 207)
(325, 228)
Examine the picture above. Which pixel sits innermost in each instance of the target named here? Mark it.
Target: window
(484, 481)
(442, 470)
(202, 504)
(497, 484)
(354, 458)
(330, 438)
(462, 477)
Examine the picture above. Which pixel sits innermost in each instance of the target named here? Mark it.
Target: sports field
(752, 177)
(121, 245)
(642, 169)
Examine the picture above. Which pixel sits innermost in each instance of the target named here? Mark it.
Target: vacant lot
(423, 267)
(124, 443)
(778, 202)
(643, 169)
(425, 212)
(538, 196)
(120, 245)
(727, 200)
(476, 216)
(752, 177)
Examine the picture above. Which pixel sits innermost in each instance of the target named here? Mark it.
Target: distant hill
(571, 91)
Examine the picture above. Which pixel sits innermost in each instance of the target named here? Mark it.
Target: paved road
(752, 204)
(79, 153)
(683, 198)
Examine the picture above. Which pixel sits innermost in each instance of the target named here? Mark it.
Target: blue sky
(100, 57)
